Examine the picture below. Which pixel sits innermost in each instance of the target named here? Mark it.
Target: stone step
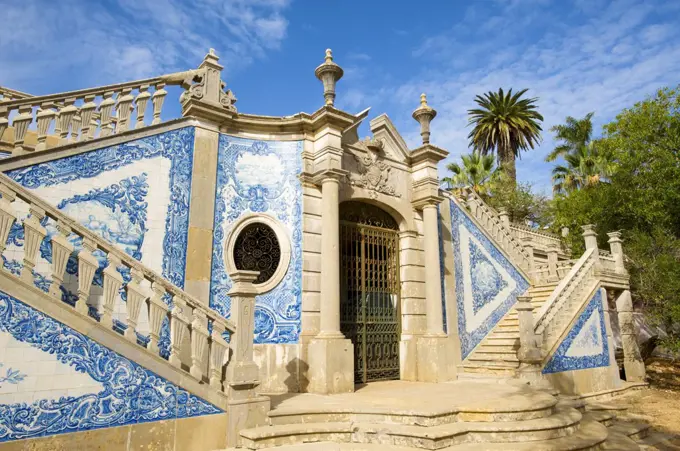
(619, 442)
(501, 341)
(490, 370)
(483, 356)
(634, 430)
(503, 327)
(487, 347)
(601, 416)
(589, 436)
(504, 333)
(330, 446)
(562, 423)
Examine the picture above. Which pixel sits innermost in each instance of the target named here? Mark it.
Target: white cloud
(88, 43)
(614, 55)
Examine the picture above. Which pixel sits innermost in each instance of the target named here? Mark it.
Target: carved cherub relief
(374, 173)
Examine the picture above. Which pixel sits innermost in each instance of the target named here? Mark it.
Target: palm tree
(586, 167)
(572, 136)
(505, 124)
(477, 171)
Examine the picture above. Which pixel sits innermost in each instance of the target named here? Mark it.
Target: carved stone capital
(329, 174)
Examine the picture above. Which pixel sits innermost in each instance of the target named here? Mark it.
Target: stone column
(632, 360)
(435, 359)
(616, 249)
(529, 353)
(246, 409)
(330, 354)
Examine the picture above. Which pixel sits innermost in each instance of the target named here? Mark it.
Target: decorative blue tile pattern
(132, 394)
(260, 177)
(487, 283)
(585, 346)
(11, 376)
(126, 198)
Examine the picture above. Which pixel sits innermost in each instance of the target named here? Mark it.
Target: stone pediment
(395, 147)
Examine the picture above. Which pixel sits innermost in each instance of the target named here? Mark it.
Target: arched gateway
(369, 290)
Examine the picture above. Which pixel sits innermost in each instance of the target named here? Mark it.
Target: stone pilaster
(632, 360)
(202, 212)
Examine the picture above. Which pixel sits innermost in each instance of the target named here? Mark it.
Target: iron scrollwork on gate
(370, 311)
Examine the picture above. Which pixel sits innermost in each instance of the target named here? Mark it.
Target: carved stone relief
(373, 172)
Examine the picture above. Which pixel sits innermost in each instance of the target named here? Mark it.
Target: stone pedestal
(331, 368)
(243, 414)
(435, 359)
(632, 360)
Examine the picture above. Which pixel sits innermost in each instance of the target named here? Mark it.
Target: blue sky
(575, 55)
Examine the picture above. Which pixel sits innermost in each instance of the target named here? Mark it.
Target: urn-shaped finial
(329, 73)
(424, 115)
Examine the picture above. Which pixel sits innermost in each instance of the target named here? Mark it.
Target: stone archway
(370, 313)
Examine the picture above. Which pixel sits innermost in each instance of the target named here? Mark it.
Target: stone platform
(461, 415)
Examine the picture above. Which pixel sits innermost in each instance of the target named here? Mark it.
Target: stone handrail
(7, 94)
(501, 233)
(560, 307)
(85, 114)
(543, 240)
(190, 319)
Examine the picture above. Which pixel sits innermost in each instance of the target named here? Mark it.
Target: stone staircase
(496, 355)
(508, 418)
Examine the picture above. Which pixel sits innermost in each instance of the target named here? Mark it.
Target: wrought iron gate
(370, 311)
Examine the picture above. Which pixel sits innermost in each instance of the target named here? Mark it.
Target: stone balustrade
(195, 330)
(7, 94)
(541, 240)
(500, 232)
(566, 299)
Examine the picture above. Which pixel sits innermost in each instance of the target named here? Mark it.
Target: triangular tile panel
(585, 346)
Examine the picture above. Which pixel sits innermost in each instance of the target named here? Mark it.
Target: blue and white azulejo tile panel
(55, 380)
(586, 345)
(260, 177)
(134, 194)
(487, 283)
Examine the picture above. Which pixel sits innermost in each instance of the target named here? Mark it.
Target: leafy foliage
(572, 136)
(505, 124)
(518, 199)
(642, 199)
(476, 171)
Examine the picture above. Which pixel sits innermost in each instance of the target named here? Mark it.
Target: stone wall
(486, 282)
(55, 380)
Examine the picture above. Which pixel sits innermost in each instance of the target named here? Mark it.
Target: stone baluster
(44, 118)
(141, 102)
(158, 311)
(179, 324)
(504, 217)
(616, 248)
(61, 251)
(65, 117)
(87, 265)
(4, 121)
(218, 349)
(472, 204)
(157, 99)
(76, 125)
(113, 280)
(20, 124)
(7, 215)
(34, 233)
(86, 113)
(552, 252)
(199, 343)
(633, 365)
(125, 100)
(136, 296)
(57, 124)
(528, 245)
(94, 124)
(105, 109)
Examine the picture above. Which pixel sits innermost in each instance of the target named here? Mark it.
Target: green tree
(476, 171)
(586, 166)
(642, 199)
(572, 136)
(505, 124)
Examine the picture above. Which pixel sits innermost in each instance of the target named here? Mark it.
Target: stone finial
(424, 115)
(329, 73)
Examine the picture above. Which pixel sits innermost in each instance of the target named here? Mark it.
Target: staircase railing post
(552, 252)
(616, 248)
(246, 408)
(529, 353)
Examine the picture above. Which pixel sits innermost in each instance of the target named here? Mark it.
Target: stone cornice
(428, 152)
